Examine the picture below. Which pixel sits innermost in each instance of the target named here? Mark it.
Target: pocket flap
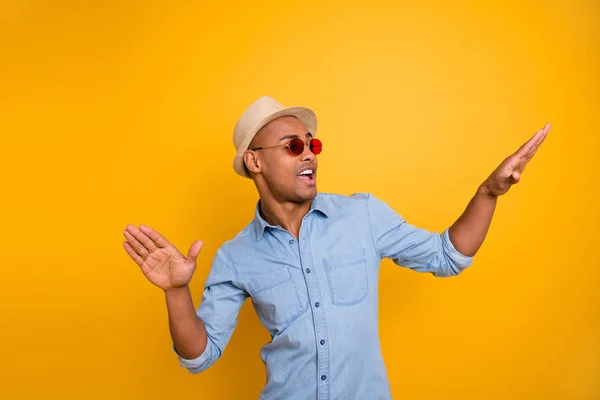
(269, 280)
(345, 259)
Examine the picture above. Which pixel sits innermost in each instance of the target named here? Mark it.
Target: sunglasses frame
(287, 145)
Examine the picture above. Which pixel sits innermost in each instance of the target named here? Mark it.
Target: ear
(252, 162)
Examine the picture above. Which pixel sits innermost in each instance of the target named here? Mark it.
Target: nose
(307, 155)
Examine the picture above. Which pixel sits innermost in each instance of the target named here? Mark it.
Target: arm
(165, 267)
(410, 246)
(198, 337)
(450, 252)
(469, 230)
(187, 329)
(217, 316)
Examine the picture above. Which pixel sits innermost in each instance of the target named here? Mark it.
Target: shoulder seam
(232, 264)
(366, 199)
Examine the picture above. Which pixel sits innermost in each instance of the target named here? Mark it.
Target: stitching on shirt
(365, 293)
(433, 269)
(425, 261)
(232, 264)
(271, 286)
(349, 264)
(326, 350)
(301, 310)
(369, 220)
(300, 306)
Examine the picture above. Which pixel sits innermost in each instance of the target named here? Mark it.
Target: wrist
(177, 290)
(485, 192)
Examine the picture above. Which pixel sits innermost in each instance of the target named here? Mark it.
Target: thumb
(194, 251)
(515, 177)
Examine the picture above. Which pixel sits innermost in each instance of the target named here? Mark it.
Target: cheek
(281, 167)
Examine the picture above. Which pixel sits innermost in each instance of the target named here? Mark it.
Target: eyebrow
(308, 134)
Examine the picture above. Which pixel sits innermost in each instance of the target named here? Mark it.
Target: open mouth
(307, 175)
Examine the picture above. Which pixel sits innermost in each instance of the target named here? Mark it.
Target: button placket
(319, 317)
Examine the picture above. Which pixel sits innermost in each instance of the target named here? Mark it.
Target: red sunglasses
(296, 146)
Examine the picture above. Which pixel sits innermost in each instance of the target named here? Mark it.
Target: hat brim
(304, 114)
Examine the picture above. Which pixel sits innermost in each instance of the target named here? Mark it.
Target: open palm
(158, 259)
(509, 172)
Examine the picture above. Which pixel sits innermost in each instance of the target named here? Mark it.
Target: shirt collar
(317, 204)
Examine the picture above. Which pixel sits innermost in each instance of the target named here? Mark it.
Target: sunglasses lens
(316, 146)
(296, 146)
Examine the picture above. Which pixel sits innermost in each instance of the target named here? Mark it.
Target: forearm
(469, 230)
(187, 329)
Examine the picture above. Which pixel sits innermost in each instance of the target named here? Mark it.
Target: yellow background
(117, 112)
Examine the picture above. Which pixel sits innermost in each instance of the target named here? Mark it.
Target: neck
(287, 215)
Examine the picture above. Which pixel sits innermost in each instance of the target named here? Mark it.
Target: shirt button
(322, 342)
(317, 304)
(323, 377)
(291, 241)
(308, 270)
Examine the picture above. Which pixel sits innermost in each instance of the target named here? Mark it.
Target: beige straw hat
(260, 113)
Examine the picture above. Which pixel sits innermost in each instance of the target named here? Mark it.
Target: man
(309, 261)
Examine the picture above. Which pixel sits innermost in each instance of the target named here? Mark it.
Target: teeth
(306, 172)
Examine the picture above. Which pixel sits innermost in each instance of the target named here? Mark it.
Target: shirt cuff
(459, 258)
(195, 362)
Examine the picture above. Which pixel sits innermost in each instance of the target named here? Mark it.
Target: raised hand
(158, 259)
(509, 172)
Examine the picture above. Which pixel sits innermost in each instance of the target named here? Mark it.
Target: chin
(307, 194)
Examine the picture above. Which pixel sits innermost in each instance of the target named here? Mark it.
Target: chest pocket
(276, 297)
(347, 277)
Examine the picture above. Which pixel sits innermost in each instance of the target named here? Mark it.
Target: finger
(540, 141)
(136, 245)
(156, 237)
(194, 251)
(142, 238)
(132, 253)
(530, 144)
(534, 143)
(523, 161)
(547, 128)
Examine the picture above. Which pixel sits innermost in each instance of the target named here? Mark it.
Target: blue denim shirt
(317, 296)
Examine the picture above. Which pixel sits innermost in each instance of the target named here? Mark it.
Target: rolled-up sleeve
(410, 246)
(221, 302)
